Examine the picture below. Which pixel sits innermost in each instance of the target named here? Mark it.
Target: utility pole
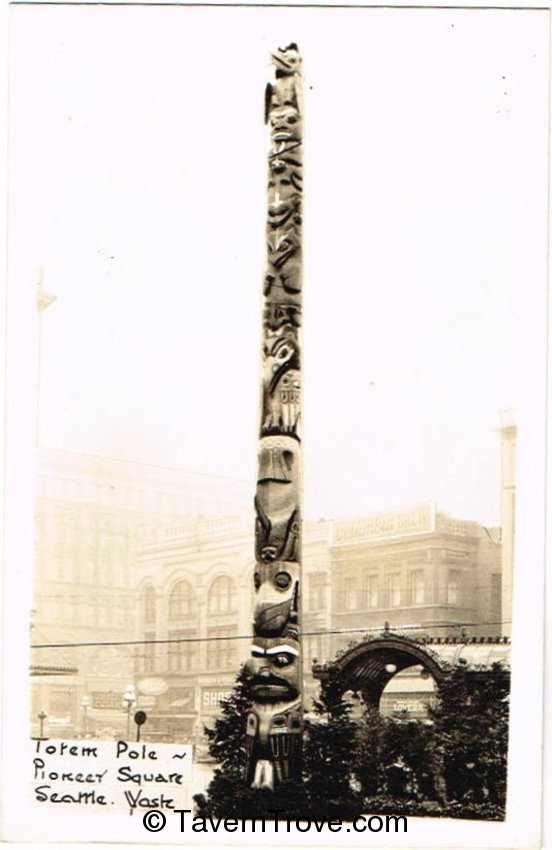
(274, 671)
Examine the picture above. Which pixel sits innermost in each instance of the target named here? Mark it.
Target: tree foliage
(470, 733)
(227, 737)
(395, 757)
(329, 748)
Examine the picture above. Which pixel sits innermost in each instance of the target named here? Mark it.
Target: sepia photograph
(275, 424)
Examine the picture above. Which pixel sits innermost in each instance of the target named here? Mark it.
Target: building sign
(415, 705)
(211, 697)
(419, 520)
(107, 700)
(146, 702)
(153, 686)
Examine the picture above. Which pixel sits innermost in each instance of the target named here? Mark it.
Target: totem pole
(274, 674)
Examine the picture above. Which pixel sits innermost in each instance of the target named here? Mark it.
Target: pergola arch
(370, 663)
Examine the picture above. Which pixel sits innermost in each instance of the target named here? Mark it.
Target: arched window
(148, 601)
(222, 596)
(182, 602)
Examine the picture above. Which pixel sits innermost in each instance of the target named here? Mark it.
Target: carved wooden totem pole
(274, 673)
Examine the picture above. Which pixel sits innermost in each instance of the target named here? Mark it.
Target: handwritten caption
(104, 774)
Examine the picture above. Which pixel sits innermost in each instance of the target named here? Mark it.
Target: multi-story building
(508, 432)
(91, 515)
(416, 568)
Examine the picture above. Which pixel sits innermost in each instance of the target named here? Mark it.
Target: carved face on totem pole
(273, 669)
(280, 211)
(285, 123)
(277, 589)
(285, 318)
(276, 540)
(273, 743)
(286, 60)
(282, 246)
(285, 171)
(281, 391)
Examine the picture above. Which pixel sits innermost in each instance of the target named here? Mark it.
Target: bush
(470, 734)
(330, 752)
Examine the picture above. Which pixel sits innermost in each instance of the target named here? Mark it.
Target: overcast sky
(138, 178)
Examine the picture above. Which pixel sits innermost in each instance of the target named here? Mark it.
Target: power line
(60, 655)
(356, 630)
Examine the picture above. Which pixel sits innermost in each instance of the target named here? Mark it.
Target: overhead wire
(321, 632)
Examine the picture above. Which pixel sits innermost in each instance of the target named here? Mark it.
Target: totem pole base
(264, 775)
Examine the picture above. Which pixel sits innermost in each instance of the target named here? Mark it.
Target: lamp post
(129, 698)
(85, 705)
(42, 717)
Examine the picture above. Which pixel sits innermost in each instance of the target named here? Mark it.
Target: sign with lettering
(211, 697)
(111, 775)
(413, 704)
(146, 702)
(107, 699)
(420, 520)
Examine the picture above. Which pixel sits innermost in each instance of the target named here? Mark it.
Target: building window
(453, 587)
(181, 601)
(222, 596)
(417, 587)
(183, 652)
(149, 652)
(316, 598)
(148, 601)
(394, 590)
(371, 591)
(351, 594)
(221, 649)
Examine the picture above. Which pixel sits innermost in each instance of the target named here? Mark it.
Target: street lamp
(85, 705)
(129, 698)
(42, 717)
